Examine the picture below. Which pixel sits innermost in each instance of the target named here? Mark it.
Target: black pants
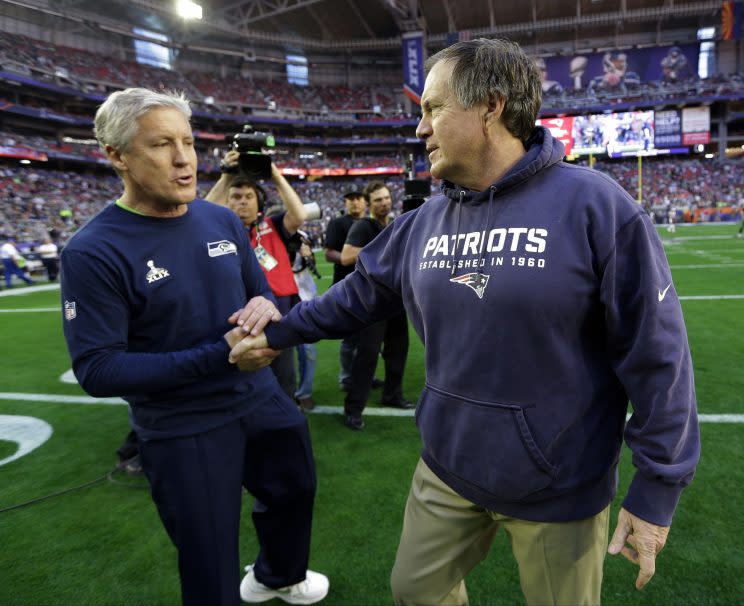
(283, 365)
(197, 481)
(52, 268)
(129, 447)
(395, 352)
(394, 332)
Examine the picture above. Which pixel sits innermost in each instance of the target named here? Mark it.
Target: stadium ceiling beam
(325, 31)
(216, 24)
(68, 3)
(451, 25)
(406, 14)
(362, 20)
(246, 12)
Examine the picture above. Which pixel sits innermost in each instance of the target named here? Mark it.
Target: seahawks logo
(223, 247)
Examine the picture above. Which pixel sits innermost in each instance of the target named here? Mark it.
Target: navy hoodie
(545, 303)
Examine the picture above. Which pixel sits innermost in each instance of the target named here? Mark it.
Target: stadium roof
(377, 24)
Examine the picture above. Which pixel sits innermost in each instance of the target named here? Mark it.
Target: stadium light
(188, 9)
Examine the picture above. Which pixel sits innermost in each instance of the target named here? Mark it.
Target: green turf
(105, 545)
(7, 449)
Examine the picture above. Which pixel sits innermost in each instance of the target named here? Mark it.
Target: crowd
(31, 199)
(88, 70)
(208, 161)
(34, 202)
(716, 85)
(232, 92)
(49, 144)
(680, 184)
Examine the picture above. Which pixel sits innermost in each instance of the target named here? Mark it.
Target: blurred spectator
(33, 199)
(13, 263)
(50, 258)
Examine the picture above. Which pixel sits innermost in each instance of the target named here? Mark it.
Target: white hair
(116, 119)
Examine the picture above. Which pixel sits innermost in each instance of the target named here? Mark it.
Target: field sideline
(104, 545)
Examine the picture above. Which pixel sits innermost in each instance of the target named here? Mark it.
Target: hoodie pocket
(487, 444)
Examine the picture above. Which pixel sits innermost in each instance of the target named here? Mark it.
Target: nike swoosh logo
(662, 293)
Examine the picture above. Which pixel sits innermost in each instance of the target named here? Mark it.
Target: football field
(103, 544)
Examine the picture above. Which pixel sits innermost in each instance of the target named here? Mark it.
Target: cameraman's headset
(261, 195)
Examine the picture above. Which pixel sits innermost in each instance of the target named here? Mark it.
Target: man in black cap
(393, 331)
(336, 232)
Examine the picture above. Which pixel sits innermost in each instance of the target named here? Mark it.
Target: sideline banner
(413, 65)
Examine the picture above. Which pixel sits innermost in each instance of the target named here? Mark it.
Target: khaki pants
(444, 536)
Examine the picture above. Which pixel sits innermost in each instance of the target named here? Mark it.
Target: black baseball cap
(353, 194)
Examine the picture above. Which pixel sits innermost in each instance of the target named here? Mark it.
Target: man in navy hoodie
(545, 303)
(147, 288)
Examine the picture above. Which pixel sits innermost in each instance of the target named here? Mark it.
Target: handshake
(249, 349)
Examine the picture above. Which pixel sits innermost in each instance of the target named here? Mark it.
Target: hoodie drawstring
(482, 259)
(457, 232)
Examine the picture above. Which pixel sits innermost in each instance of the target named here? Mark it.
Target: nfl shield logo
(70, 312)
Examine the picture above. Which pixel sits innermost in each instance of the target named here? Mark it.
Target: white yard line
(17, 292)
(710, 297)
(29, 310)
(690, 238)
(708, 266)
(322, 410)
(57, 399)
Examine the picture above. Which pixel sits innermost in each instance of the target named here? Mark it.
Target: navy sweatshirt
(146, 302)
(545, 303)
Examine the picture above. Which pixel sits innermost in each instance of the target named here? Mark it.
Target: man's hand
(250, 359)
(254, 317)
(230, 161)
(246, 346)
(639, 541)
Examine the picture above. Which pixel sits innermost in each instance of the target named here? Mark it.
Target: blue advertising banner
(413, 65)
(619, 70)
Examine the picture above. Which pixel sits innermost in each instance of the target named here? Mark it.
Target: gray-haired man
(148, 286)
(545, 303)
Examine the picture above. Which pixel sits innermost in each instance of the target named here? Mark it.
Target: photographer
(269, 237)
(305, 270)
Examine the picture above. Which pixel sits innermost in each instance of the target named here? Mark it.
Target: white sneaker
(313, 589)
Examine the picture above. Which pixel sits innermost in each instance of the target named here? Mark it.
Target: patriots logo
(476, 281)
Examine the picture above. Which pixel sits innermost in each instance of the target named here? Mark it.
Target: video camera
(415, 191)
(253, 162)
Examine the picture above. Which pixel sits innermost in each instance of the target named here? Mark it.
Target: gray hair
(484, 67)
(116, 119)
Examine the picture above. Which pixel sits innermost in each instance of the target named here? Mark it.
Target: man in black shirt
(394, 331)
(336, 233)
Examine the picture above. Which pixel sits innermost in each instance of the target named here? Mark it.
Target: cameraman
(269, 237)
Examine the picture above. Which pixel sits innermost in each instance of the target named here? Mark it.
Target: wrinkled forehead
(437, 83)
(160, 122)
